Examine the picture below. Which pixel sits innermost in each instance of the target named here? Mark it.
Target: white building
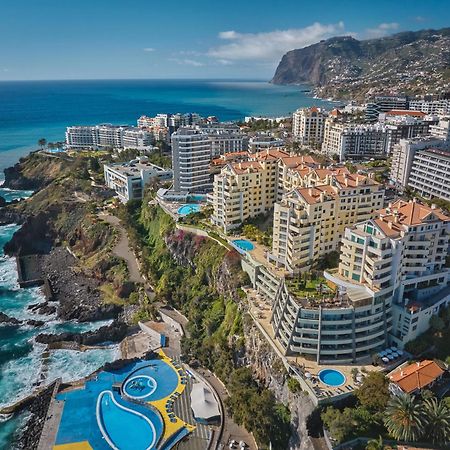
(264, 141)
(308, 125)
(430, 173)
(355, 141)
(129, 179)
(108, 136)
(403, 156)
(191, 155)
(440, 107)
(226, 142)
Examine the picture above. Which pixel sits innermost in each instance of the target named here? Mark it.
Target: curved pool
(140, 386)
(122, 427)
(244, 244)
(188, 208)
(331, 377)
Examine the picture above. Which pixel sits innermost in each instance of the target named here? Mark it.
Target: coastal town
(270, 280)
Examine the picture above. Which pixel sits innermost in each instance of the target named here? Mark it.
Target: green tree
(42, 142)
(404, 418)
(375, 444)
(294, 385)
(374, 391)
(339, 423)
(436, 323)
(437, 419)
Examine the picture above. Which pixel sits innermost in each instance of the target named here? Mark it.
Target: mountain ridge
(344, 67)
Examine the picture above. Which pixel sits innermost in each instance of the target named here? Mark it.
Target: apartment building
(391, 279)
(309, 222)
(403, 157)
(108, 136)
(191, 155)
(226, 142)
(245, 189)
(129, 179)
(308, 126)
(355, 141)
(439, 107)
(264, 141)
(430, 173)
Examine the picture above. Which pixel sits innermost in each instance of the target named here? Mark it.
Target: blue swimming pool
(331, 377)
(140, 386)
(243, 244)
(189, 208)
(124, 428)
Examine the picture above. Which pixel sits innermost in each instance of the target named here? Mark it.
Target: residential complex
(264, 141)
(308, 126)
(430, 173)
(191, 155)
(129, 179)
(355, 141)
(391, 279)
(309, 222)
(226, 142)
(437, 106)
(108, 136)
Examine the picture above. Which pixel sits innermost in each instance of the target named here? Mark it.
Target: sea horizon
(36, 109)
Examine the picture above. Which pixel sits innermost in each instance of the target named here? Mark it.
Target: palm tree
(375, 444)
(42, 142)
(404, 418)
(437, 417)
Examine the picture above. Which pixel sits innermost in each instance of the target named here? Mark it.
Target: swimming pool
(331, 377)
(188, 208)
(140, 386)
(114, 418)
(244, 244)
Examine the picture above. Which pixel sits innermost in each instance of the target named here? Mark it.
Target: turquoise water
(10, 194)
(20, 357)
(94, 411)
(42, 109)
(188, 209)
(244, 244)
(125, 428)
(332, 377)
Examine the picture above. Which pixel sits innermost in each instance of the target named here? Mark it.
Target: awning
(203, 402)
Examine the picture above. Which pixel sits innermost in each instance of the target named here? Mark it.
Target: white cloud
(187, 62)
(149, 49)
(382, 30)
(273, 44)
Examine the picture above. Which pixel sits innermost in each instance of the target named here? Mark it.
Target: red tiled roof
(417, 375)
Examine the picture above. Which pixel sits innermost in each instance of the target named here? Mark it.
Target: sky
(116, 39)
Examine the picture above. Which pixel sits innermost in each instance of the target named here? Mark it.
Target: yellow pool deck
(169, 427)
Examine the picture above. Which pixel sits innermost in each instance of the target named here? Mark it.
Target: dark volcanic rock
(2, 201)
(8, 320)
(109, 333)
(35, 323)
(14, 179)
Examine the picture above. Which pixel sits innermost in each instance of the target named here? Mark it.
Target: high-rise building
(191, 155)
(264, 141)
(430, 173)
(382, 104)
(309, 222)
(308, 126)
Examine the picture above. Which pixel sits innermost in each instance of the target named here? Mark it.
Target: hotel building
(430, 173)
(391, 279)
(309, 222)
(308, 126)
(191, 155)
(129, 179)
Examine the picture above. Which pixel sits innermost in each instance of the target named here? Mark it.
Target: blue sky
(87, 39)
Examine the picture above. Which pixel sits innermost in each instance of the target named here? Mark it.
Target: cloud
(187, 62)
(149, 49)
(420, 19)
(271, 45)
(382, 30)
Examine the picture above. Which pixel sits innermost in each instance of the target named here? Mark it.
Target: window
(355, 277)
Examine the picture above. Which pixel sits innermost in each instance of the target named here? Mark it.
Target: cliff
(344, 67)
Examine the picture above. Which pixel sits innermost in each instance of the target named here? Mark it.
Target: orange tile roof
(294, 161)
(417, 375)
(353, 180)
(312, 194)
(271, 154)
(405, 112)
(246, 167)
(410, 213)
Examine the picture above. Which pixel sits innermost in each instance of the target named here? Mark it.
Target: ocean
(43, 109)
